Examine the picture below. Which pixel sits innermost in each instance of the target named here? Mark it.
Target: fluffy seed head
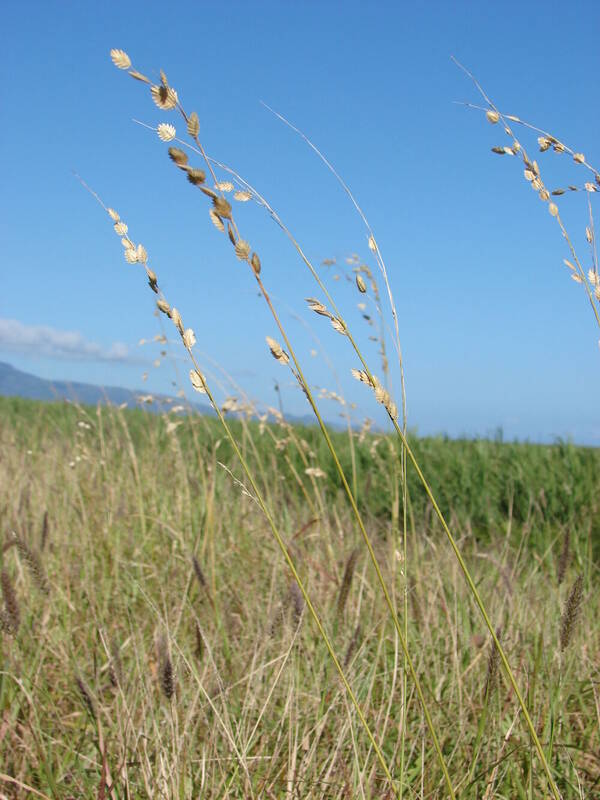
(120, 228)
(242, 196)
(224, 186)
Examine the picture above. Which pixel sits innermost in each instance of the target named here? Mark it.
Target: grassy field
(156, 645)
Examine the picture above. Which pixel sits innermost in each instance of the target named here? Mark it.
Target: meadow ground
(154, 642)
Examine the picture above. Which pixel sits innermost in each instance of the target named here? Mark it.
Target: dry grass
(242, 624)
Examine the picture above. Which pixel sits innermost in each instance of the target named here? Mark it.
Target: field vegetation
(238, 607)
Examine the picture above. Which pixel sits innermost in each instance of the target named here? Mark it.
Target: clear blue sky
(494, 332)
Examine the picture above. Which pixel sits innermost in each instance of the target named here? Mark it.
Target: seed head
(120, 59)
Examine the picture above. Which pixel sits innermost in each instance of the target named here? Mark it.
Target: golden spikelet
(255, 261)
(222, 207)
(196, 176)
(492, 116)
(277, 351)
(242, 249)
(120, 59)
(138, 76)
(164, 97)
(224, 186)
(166, 132)
(163, 306)
(360, 284)
(553, 209)
(242, 196)
(189, 338)
(338, 325)
(579, 158)
(120, 228)
(193, 124)
(216, 219)
(198, 381)
(178, 156)
(113, 214)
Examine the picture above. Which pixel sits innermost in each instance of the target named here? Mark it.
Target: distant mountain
(14, 383)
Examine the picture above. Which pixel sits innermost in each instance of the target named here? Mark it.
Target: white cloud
(42, 340)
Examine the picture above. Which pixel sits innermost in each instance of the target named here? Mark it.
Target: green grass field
(156, 645)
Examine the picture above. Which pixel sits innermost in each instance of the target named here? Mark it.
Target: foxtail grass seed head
(193, 124)
(45, 531)
(12, 613)
(297, 601)
(571, 613)
(33, 563)
(198, 381)
(492, 116)
(120, 59)
(346, 582)
(166, 132)
(199, 650)
(198, 572)
(492, 665)
(116, 665)
(86, 696)
(277, 351)
(166, 671)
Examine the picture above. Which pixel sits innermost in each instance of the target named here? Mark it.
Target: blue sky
(494, 332)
